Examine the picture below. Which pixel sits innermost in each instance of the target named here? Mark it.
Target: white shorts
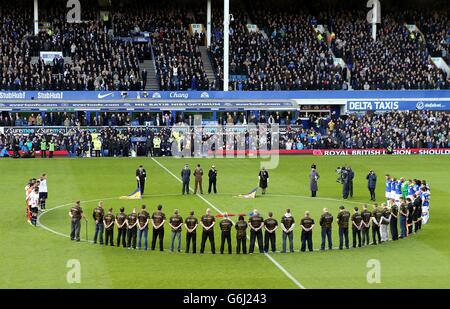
(387, 194)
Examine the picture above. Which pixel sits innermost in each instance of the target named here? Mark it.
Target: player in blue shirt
(425, 196)
(393, 187)
(388, 187)
(410, 189)
(398, 191)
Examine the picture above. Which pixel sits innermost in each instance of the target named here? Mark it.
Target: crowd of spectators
(418, 129)
(98, 60)
(286, 53)
(398, 59)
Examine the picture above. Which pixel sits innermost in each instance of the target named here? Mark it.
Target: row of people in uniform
(133, 228)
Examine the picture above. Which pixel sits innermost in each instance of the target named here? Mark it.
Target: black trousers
(109, 236)
(409, 224)
(356, 235)
(350, 188)
(121, 237)
(141, 185)
(417, 225)
(253, 236)
(365, 236)
(394, 228)
(158, 233)
(208, 235)
(241, 242)
(375, 233)
(372, 194)
(343, 236)
(313, 193)
(225, 237)
(50, 154)
(185, 187)
(131, 241)
(345, 190)
(191, 237)
(306, 238)
(43, 153)
(269, 237)
(212, 183)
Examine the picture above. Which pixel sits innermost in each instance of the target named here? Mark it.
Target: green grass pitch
(36, 258)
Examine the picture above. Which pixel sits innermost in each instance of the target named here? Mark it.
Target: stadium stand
(285, 54)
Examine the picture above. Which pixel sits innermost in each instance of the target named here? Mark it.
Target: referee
(141, 177)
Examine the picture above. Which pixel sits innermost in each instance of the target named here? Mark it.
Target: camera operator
(371, 184)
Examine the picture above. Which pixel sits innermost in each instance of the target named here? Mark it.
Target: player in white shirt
(34, 205)
(43, 193)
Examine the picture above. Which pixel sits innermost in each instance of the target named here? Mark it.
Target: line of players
(133, 228)
(415, 190)
(36, 194)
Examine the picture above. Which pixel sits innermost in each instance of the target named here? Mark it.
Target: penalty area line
(278, 265)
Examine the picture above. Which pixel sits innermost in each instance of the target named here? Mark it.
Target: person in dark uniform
(394, 220)
(417, 212)
(372, 184)
(207, 222)
(270, 226)
(376, 221)
(225, 227)
(307, 225)
(108, 221)
(132, 229)
(121, 219)
(191, 224)
(366, 216)
(175, 222)
(198, 175)
(357, 223)
(287, 225)
(403, 217)
(75, 213)
(411, 214)
(241, 235)
(142, 227)
(345, 178)
(313, 178)
(263, 177)
(343, 218)
(158, 220)
(185, 177)
(141, 178)
(326, 219)
(351, 176)
(98, 214)
(212, 175)
(256, 223)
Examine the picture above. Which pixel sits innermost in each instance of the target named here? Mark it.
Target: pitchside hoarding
(140, 100)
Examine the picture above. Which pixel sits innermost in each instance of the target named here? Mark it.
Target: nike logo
(101, 96)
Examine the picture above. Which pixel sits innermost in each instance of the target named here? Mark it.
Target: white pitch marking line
(295, 281)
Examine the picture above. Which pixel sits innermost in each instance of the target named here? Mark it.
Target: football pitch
(37, 257)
